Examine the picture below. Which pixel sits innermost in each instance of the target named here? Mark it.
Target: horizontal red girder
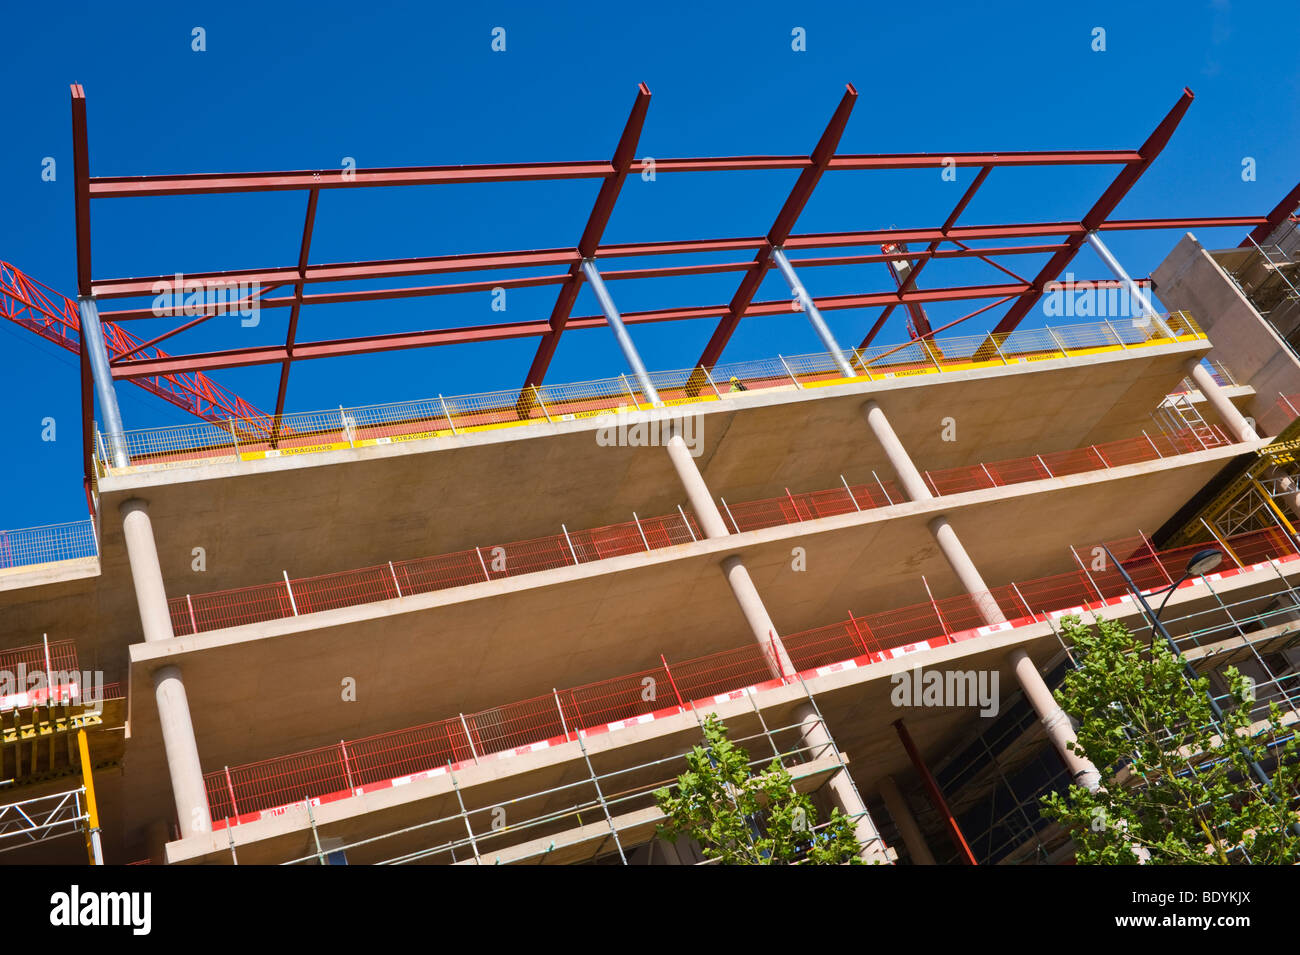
(105, 187)
(454, 336)
(434, 265)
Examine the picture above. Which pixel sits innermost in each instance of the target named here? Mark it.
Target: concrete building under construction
(399, 668)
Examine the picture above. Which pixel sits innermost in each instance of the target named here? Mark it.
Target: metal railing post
(395, 583)
(292, 603)
(194, 626)
(470, 739)
(672, 682)
(712, 383)
(852, 499)
(347, 765)
(446, 414)
(888, 499)
(347, 431)
(641, 530)
(234, 806)
(482, 563)
(570, 540)
(734, 526)
(1059, 343)
(541, 404)
(234, 437)
(797, 383)
(687, 523)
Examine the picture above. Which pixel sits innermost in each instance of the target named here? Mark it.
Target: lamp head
(1204, 561)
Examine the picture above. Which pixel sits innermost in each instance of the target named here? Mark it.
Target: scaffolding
(601, 811)
(996, 780)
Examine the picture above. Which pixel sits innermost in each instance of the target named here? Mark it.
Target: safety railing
(352, 766)
(246, 439)
(1218, 371)
(47, 544)
(197, 613)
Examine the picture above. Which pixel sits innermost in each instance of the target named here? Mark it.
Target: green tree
(745, 819)
(1174, 783)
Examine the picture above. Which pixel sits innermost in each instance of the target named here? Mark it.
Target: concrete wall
(1190, 279)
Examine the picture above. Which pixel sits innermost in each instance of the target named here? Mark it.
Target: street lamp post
(1202, 562)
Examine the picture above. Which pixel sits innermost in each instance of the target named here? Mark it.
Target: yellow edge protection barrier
(1007, 360)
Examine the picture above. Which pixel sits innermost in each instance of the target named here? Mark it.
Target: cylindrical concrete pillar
(697, 492)
(760, 624)
(1054, 720)
(899, 459)
(173, 707)
(1040, 697)
(843, 793)
(146, 572)
(901, 813)
(182, 752)
(965, 569)
(1234, 421)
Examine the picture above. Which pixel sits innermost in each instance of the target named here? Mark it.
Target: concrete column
(844, 794)
(899, 459)
(146, 572)
(965, 569)
(182, 752)
(760, 623)
(901, 813)
(697, 492)
(173, 707)
(1054, 720)
(1237, 426)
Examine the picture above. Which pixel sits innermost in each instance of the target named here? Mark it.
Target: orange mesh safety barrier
(349, 765)
(197, 613)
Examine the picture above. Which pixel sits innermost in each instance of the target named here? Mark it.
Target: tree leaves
(1175, 782)
(744, 819)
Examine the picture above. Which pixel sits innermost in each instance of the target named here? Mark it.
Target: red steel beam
(109, 187)
(918, 316)
(1098, 213)
(794, 204)
(781, 227)
(624, 155)
(81, 187)
(304, 250)
(1274, 219)
(471, 262)
(935, 795)
(455, 336)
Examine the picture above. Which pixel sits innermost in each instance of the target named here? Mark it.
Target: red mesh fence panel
(513, 725)
(825, 645)
(1256, 547)
(275, 782)
(596, 704)
(230, 608)
(426, 574)
(346, 589)
(895, 628)
(414, 750)
(720, 672)
(317, 772)
(63, 657)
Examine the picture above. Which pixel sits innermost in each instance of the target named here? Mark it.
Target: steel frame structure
(563, 267)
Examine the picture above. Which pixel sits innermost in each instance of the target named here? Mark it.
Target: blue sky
(302, 86)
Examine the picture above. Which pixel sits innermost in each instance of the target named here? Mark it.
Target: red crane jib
(55, 317)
